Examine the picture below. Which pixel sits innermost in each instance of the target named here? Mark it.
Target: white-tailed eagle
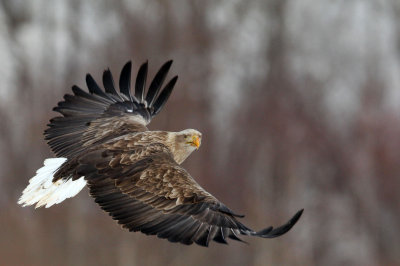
(101, 141)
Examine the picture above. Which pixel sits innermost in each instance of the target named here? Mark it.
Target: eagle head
(191, 137)
(185, 142)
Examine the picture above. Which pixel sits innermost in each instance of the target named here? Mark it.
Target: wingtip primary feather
(94, 87)
(271, 232)
(125, 80)
(140, 83)
(157, 82)
(108, 83)
(164, 95)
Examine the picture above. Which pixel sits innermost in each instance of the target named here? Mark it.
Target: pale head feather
(182, 143)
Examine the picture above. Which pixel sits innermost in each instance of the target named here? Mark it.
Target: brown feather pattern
(98, 116)
(139, 184)
(134, 174)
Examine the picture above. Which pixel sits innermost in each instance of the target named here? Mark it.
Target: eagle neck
(178, 147)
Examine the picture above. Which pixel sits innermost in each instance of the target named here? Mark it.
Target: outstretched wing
(145, 190)
(97, 116)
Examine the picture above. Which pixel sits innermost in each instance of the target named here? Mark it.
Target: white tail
(44, 192)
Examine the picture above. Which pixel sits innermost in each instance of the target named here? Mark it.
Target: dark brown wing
(145, 190)
(98, 116)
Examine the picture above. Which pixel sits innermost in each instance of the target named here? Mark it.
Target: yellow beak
(196, 141)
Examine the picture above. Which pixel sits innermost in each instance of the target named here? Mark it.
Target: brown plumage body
(134, 174)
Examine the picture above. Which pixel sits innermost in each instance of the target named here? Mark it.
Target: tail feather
(42, 191)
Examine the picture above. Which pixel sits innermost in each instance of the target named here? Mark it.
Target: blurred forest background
(298, 103)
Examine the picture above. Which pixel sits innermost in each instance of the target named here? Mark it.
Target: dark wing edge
(155, 196)
(187, 224)
(94, 110)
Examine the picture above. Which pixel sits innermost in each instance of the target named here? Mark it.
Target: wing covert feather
(145, 190)
(101, 115)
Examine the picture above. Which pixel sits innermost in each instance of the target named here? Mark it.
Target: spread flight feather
(101, 140)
